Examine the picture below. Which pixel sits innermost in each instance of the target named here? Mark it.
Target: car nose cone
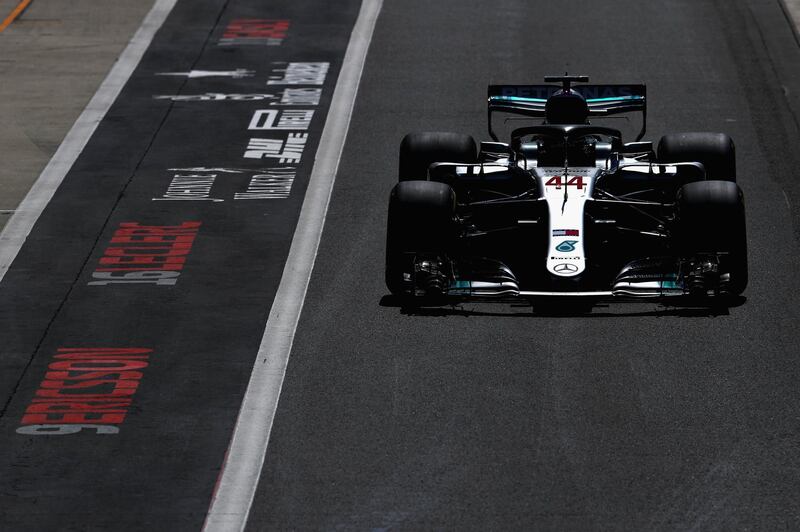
(565, 267)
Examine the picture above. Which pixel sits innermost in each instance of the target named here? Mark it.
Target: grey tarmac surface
(630, 416)
(52, 59)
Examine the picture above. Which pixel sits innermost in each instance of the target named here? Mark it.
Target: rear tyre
(715, 151)
(420, 221)
(419, 150)
(711, 219)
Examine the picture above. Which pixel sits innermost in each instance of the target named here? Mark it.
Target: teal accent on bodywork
(566, 246)
(671, 284)
(543, 100)
(519, 99)
(614, 98)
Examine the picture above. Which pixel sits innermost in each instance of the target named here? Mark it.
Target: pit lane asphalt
(159, 471)
(632, 416)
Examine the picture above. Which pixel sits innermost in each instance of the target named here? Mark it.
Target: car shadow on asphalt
(556, 308)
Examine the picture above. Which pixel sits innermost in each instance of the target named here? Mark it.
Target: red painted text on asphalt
(146, 254)
(255, 31)
(86, 389)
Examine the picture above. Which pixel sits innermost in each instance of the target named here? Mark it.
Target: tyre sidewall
(421, 149)
(710, 218)
(420, 221)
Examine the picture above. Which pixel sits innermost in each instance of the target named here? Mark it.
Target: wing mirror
(637, 147)
(496, 148)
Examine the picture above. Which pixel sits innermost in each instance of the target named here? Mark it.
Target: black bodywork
(636, 242)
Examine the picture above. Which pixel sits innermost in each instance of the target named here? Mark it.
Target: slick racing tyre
(711, 219)
(419, 150)
(715, 151)
(420, 221)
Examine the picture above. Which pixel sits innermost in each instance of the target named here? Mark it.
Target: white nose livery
(566, 193)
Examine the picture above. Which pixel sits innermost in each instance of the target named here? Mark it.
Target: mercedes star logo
(565, 267)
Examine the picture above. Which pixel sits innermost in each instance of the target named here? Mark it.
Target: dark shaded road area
(631, 416)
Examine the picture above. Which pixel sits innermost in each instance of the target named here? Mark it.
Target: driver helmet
(566, 106)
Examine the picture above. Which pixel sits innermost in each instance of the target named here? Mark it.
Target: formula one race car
(566, 208)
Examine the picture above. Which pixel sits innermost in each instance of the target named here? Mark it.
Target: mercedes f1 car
(565, 207)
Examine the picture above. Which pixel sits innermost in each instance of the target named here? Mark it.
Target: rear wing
(603, 100)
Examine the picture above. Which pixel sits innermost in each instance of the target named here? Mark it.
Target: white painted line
(241, 469)
(19, 226)
(793, 6)
(792, 9)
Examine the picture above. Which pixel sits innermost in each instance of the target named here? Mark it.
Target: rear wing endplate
(603, 100)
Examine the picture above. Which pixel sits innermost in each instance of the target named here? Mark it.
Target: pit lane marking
(14, 14)
(791, 8)
(241, 470)
(22, 221)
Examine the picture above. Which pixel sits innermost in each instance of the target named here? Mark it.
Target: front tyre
(420, 222)
(710, 220)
